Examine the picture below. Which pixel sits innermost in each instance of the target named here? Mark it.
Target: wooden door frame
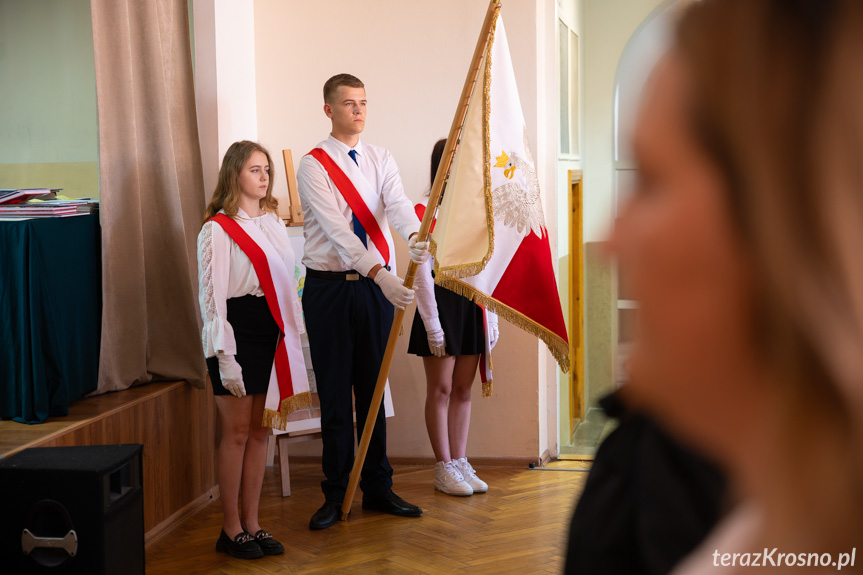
(576, 296)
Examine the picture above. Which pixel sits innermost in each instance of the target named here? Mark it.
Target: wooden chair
(282, 440)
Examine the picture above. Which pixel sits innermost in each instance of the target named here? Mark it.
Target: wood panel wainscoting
(174, 421)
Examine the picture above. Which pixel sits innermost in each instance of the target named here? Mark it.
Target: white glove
(419, 251)
(493, 330)
(437, 343)
(393, 288)
(231, 374)
(427, 307)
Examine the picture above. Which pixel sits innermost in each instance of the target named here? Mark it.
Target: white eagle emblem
(518, 203)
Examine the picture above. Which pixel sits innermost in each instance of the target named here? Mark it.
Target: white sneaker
(449, 480)
(469, 474)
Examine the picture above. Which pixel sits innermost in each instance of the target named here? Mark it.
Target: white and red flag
(490, 241)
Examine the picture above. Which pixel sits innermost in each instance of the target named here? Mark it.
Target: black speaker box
(72, 510)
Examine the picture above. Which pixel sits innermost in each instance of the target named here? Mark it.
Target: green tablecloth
(50, 315)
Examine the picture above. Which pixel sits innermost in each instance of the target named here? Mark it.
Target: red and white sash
(485, 360)
(292, 391)
(363, 199)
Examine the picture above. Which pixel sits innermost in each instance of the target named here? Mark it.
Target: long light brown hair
(227, 193)
(778, 104)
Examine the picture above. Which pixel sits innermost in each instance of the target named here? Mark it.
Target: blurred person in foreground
(744, 245)
(648, 502)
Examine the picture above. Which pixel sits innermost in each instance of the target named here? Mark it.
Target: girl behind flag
(449, 332)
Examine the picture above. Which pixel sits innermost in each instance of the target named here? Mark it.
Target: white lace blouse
(225, 272)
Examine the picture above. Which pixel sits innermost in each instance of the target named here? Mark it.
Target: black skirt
(256, 334)
(461, 321)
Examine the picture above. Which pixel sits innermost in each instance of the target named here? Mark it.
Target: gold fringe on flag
(558, 346)
(472, 269)
(279, 419)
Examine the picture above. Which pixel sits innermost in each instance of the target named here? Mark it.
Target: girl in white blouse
(244, 334)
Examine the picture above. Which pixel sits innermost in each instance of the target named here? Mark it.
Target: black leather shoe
(327, 516)
(391, 503)
(243, 546)
(269, 544)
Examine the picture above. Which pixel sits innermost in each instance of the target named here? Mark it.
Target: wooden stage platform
(173, 421)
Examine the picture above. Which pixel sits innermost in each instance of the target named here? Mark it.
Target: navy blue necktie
(358, 227)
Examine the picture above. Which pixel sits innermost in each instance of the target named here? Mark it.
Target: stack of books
(42, 203)
(17, 196)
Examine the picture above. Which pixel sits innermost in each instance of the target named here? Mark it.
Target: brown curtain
(151, 193)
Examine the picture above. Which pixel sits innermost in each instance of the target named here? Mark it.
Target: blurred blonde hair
(778, 103)
(227, 193)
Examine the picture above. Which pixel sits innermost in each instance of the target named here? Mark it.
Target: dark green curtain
(50, 315)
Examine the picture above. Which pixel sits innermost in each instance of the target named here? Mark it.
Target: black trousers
(348, 323)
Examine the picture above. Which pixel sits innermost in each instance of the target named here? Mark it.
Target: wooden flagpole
(428, 218)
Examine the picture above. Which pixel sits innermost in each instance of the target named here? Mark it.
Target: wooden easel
(292, 214)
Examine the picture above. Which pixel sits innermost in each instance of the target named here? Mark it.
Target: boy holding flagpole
(351, 192)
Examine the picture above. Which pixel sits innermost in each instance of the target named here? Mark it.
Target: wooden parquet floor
(520, 527)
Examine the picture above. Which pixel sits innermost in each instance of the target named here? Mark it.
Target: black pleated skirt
(461, 321)
(256, 334)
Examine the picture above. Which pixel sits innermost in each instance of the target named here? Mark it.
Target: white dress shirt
(225, 271)
(331, 244)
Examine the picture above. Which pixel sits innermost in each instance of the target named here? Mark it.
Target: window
(48, 123)
(568, 82)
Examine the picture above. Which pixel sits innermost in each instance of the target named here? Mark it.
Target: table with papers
(50, 315)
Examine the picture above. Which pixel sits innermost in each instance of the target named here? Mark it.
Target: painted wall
(48, 125)
(570, 13)
(223, 33)
(413, 61)
(547, 120)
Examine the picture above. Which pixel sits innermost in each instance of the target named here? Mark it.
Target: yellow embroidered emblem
(518, 203)
(504, 162)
